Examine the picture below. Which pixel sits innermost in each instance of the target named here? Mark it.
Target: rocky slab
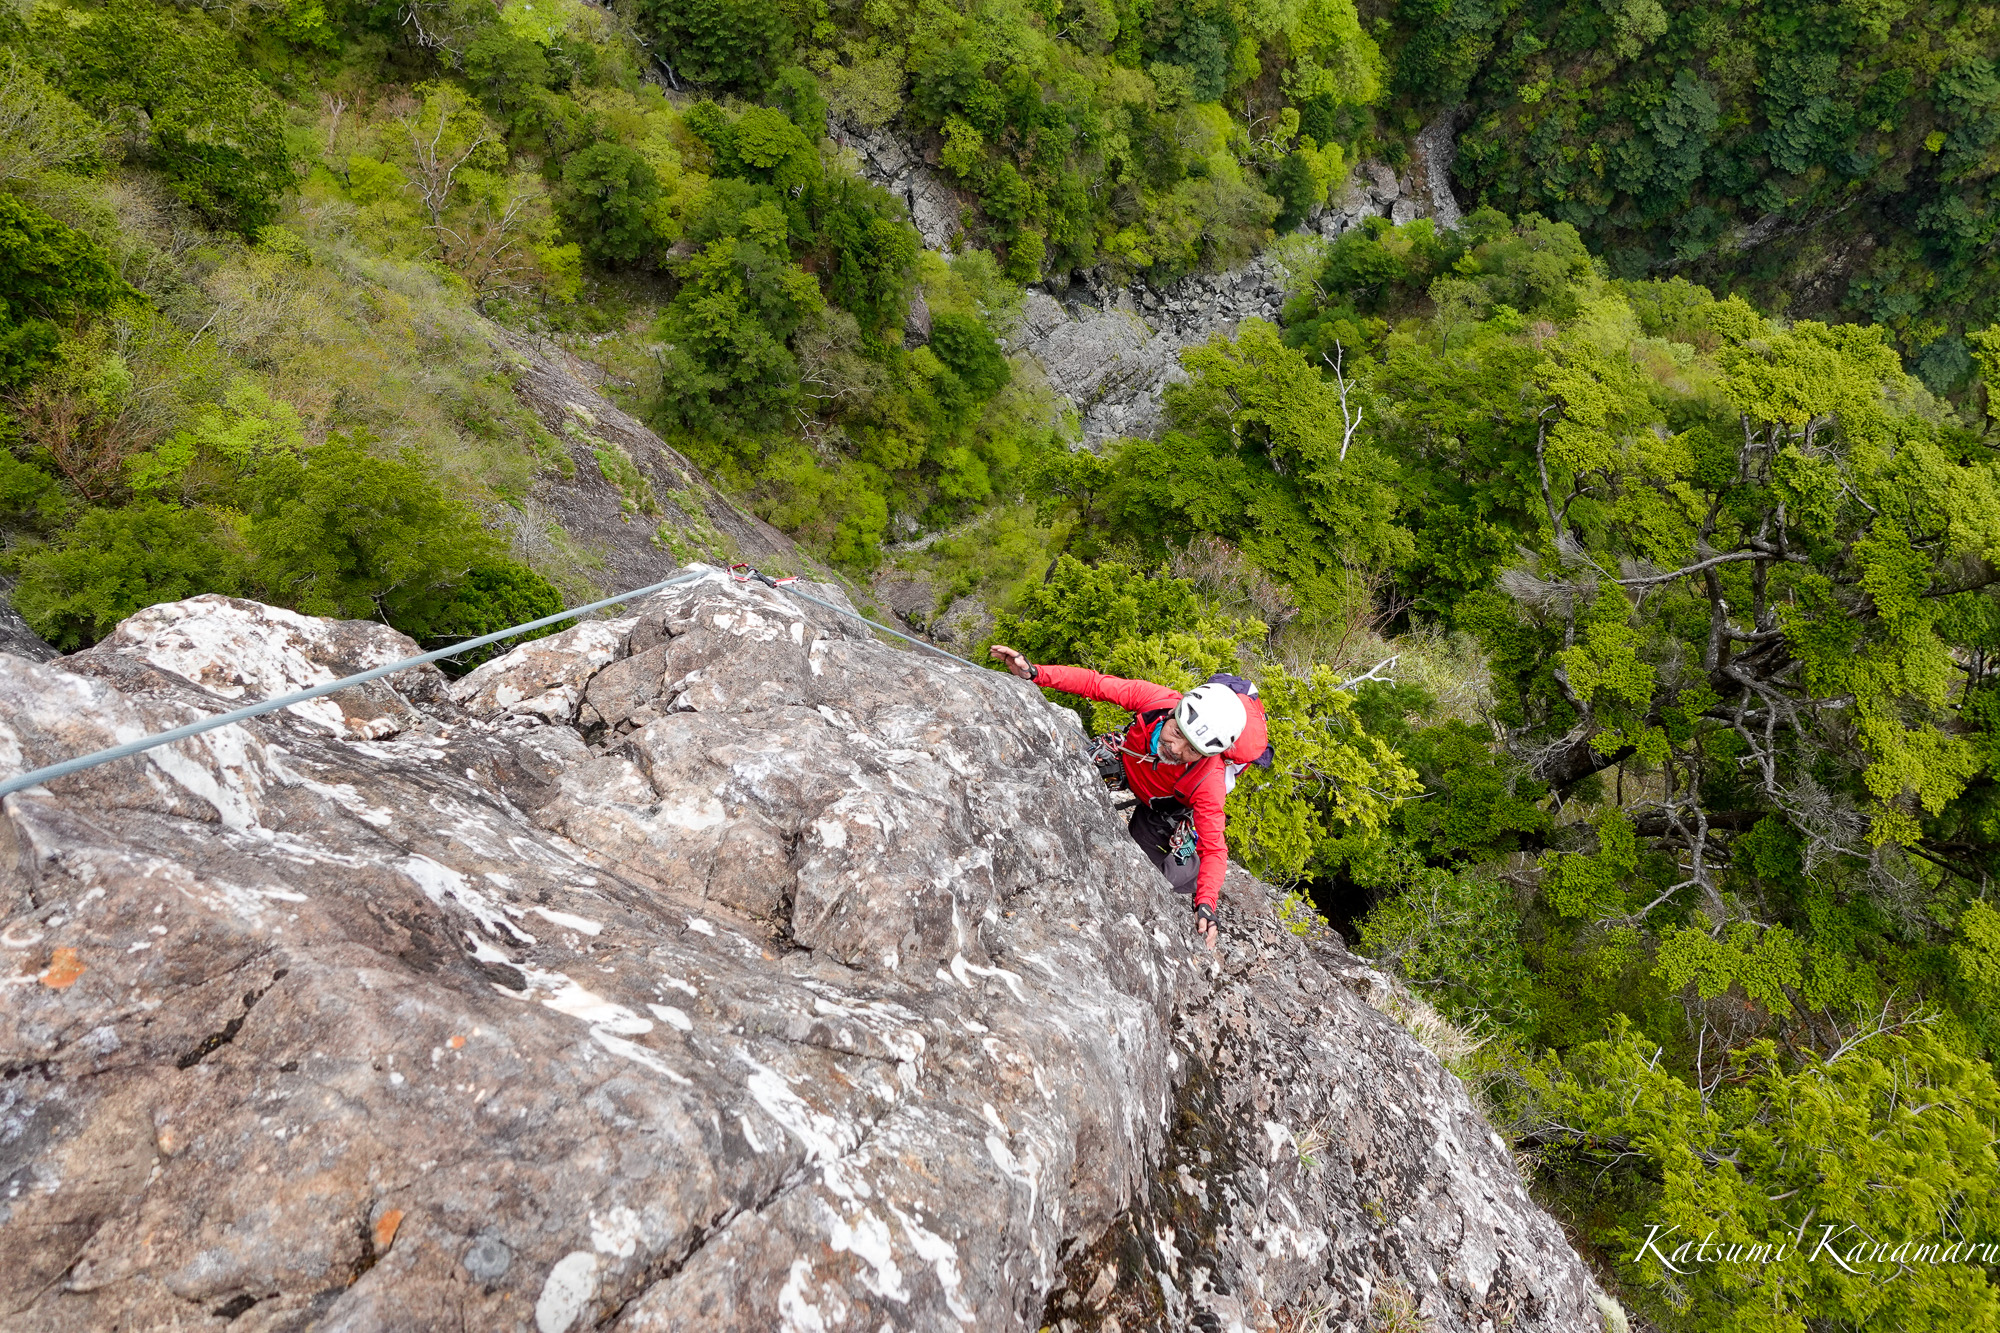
(711, 967)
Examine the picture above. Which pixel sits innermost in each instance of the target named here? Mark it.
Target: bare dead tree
(1350, 421)
(438, 158)
(334, 105)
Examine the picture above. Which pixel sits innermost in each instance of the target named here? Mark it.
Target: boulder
(15, 635)
(917, 320)
(710, 967)
(910, 596)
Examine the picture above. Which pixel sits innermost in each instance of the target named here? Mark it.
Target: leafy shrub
(1081, 613)
(29, 494)
(48, 272)
(341, 532)
(1455, 935)
(210, 126)
(115, 561)
(489, 599)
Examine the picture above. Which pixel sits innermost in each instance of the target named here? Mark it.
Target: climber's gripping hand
(1204, 924)
(1016, 662)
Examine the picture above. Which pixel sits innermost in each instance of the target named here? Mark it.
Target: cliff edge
(712, 967)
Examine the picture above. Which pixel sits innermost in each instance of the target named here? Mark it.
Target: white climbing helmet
(1211, 717)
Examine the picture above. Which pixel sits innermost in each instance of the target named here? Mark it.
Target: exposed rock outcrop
(912, 597)
(887, 161)
(1437, 149)
(1111, 351)
(15, 636)
(631, 505)
(710, 967)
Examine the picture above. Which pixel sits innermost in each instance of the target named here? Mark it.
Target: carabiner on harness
(1107, 755)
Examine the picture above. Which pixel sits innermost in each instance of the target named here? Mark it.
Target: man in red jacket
(1175, 754)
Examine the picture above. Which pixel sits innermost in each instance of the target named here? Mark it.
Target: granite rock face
(712, 967)
(887, 161)
(15, 636)
(1111, 351)
(1319, 1163)
(621, 495)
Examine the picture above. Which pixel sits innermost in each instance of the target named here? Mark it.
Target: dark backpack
(1255, 706)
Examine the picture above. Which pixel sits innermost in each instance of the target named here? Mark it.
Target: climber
(1178, 755)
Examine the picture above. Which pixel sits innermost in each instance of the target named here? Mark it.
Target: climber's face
(1175, 748)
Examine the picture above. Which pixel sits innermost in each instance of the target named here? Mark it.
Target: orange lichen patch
(385, 1228)
(64, 969)
(456, 1042)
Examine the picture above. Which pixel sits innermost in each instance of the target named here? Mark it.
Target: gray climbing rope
(40, 775)
(140, 746)
(745, 574)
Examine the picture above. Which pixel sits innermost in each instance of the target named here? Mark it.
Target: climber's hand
(1204, 924)
(1016, 663)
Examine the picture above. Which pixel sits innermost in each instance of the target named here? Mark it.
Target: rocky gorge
(713, 966)
(1109, 347)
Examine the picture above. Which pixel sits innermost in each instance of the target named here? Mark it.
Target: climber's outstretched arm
(1135, 696)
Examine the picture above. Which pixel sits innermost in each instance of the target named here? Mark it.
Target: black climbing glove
(1204, 916)
(1034, 672)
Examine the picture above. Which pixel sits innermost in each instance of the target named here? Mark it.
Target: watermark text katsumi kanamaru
(1841, 1246)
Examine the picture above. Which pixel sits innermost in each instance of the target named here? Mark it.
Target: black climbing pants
(1153, 830)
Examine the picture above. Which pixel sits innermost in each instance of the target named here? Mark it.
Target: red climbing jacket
(1199, 786)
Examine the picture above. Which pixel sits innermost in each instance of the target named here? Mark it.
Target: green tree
(509, 67)
(209, 126)
(608, 203)
(1456, 935)
(734, 43)
(1865, 1178)
(40, 129)
(726, 369)
(1258, 452)
(48, 272)
(75, 590)
(1333, 782)
(339, 531)
(969, 349)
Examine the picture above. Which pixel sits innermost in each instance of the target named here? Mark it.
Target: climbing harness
(1107, 755)
(50, 772)
(1183, 843)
